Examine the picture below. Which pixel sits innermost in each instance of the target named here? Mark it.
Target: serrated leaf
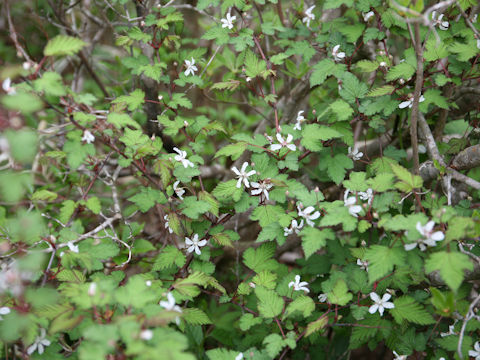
(193, 208)
(248, 320)
(232, 150)
(314, 134)
(147, 197)
(270, 304)
(63, 45)
(122, 120)
(261, 258)
(339, 294)
(314, 239)
(400, 71)
(133, 101)
(382, 259)
(406, 308)
(302, 304)
(168, 257)
(321, 71)
(195, 316)
(452, 266)
(380, 91)
(317, 325)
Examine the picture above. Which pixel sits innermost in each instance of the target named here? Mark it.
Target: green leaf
(274, 343)
(406, 308)
(352, 88)
(77, 152)
(407, 181)
(434, 96)
(357, 181)
(63, 45)
(22, 145)
(24, 102)
(452, 266)
(321, 71)
(267, 214)
(400, 71)
(51, 84)
(382, 259)
(134, 101)
(340, 295)
(335, 4)
(93, 203)
(179, 99)
(227, 191)
(195, 316)
(261, 258)
(435, 50)
(232, 150)
(270, 304)
(367, 65)
(380, 91)
(337, 167)
(314, 134)
(314, 239)
(464, 51)
(317, 325)
(193, 208)
(302, 304)
(254, 66)
(248, 320)
(341, 109)
(169, 256)
(44, 195)
(122, 120)
(352, 32)
(147, 197)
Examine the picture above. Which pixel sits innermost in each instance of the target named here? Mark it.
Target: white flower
(429, 238)
(300, 119)
(146, 334)
(92, 289)
(239, 356)
(182, 157)
(39, 344)
(366, 195)
(194, 244)
(350, 202)
(167, 224)
(307, 214)
(443, 25)
(299, 285)
(191, 68)
(178, 190)
(382, 64)
(261, 187)
(409, 102)
(283, 143)
(451, 331)
(242, 175)
(72, 247)
(6, 86)
(380, 304)
(399, 357)
(476, 352)
(322, 297)
(338, 56)
(169, 305)
(4, 311)
(88, 137)
(228, 21)
(363, 264)
(294, 227)
(355, 154)
(309, 16)
(148, 283)
(367, 16)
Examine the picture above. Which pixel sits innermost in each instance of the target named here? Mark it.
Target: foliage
(239, 179)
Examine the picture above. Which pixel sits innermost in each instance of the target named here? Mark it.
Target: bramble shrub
(239, 179)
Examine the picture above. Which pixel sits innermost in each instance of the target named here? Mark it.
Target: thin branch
(470, 314)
